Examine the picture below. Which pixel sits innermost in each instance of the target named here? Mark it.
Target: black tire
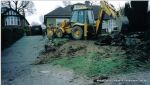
(59, 33)
(77, 33)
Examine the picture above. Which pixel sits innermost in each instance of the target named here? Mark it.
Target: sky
(44, 7)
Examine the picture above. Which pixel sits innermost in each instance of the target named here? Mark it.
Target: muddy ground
(18, 63)
(75, 48)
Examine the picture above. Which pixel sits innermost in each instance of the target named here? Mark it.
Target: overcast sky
(44, 7)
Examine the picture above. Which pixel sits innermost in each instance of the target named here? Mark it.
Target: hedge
(9, 36)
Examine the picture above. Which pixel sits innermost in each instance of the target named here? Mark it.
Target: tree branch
(16, 5)
(9, 4)
(19, 6)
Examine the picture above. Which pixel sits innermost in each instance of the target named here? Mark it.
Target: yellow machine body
(79, 30)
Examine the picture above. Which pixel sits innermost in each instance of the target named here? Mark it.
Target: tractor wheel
(77, 32)
(59, 33)
(50, 34)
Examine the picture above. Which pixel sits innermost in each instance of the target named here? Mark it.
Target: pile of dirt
(74, 48)
(139, 52)
(133, 48)
(79, 48)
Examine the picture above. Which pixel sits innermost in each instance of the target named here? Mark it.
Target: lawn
(95, 63)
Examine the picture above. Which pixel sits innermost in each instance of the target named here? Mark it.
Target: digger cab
(82, 16)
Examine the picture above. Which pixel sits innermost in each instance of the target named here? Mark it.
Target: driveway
(17, 68)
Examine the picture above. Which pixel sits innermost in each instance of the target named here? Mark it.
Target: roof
(79, 4)
(61, 12)
(8, 9)
(66, 12)
(3, 9)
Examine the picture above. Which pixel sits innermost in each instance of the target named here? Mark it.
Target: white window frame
(9, 12)
(14, 20)
(12, 13)
(9, 20)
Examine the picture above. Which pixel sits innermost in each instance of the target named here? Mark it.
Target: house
(10, 18)
(109, 24)
(12, 26)
(60, 14)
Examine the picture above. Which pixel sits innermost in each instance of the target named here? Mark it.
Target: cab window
(74, 17)
(90, 17)
(81, 17)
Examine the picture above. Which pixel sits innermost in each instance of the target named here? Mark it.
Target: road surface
(17, 68)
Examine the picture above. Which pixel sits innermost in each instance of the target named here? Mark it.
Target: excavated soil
(76, 48)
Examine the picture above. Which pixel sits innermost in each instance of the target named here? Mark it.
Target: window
(8, 20)
(81, 17)
(12, 13)
(90, 17)
(74, 16)
(12, 20)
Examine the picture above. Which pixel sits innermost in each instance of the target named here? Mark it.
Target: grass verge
(95, 64)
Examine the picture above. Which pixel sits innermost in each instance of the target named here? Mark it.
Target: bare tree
(94, 2)
(66, 2)
(20, 6)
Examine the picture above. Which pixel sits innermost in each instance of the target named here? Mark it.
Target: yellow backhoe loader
(82, 23)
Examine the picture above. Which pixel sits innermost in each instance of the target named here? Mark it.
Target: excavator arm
(104, 8)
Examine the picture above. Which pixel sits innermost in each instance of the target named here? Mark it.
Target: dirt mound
(75, 48)
(79, 48)
(72, 48)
